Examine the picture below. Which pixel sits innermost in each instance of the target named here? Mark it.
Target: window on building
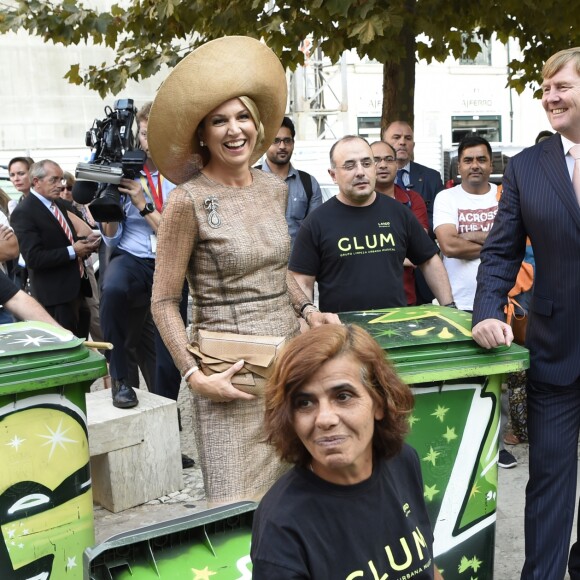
(483, 57)
(487, 126)
(369, 128)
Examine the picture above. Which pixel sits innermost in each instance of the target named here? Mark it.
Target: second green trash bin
(455, 425)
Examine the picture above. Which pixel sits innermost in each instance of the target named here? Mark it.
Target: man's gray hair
(38, 169)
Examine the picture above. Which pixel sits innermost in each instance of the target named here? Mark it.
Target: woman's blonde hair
(4, 199)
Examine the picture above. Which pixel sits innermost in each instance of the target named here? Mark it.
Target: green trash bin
(455, 425)
(46, 504)
(211, 543)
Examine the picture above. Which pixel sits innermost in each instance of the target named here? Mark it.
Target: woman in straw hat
(224, 228)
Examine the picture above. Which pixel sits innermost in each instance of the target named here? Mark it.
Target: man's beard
(277, 161)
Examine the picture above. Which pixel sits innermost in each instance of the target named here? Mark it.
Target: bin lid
(41, 355)
(432, 343)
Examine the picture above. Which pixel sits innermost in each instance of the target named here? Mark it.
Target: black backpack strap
(306, 183)
(304, 178)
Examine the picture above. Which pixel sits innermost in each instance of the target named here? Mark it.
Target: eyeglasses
(365, 163)
(285, 140)
(68, 187)
(386, 159)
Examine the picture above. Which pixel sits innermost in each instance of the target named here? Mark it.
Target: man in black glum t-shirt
(354, 245)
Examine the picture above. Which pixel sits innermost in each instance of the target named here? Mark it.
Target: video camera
(114, 156)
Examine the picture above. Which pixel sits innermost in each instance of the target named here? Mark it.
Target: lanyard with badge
(156, 193)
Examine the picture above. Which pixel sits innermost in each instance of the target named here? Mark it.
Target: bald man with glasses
(355, 244)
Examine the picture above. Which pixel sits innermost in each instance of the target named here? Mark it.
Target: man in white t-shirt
(463, 217)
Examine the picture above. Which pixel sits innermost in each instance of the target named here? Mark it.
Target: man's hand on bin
(491, 332)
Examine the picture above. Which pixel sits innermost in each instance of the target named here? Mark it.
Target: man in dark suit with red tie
(540, 200)
(53, 252)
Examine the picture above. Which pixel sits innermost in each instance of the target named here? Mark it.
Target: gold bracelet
(308, 311)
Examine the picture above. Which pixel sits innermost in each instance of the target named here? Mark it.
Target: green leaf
(366, 31)
(337, 7)
(73, 75)
(117, 11)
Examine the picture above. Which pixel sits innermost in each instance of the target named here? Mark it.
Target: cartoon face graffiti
(46, 512)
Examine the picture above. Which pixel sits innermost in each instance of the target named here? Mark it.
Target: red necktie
(63, 224)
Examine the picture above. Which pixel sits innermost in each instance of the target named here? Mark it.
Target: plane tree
(144, 35)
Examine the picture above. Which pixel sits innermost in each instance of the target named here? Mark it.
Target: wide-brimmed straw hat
(223, 69)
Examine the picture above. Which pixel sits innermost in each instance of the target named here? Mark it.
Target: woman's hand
(218, 387)
(316, 318)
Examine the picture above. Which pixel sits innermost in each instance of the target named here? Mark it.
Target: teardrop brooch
(213, 219)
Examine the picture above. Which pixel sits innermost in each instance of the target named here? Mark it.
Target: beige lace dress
(233, 244)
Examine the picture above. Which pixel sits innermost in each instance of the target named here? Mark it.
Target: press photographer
(114, 157)
(126, 294)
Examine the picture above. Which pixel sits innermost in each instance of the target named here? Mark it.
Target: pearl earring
(201, 143)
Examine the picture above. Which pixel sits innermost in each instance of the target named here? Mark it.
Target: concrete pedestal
(135, 453)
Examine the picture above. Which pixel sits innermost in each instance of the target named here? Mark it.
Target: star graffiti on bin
(466, 563)
(203, 574)
(430, 492)
(56, 438)
(412, 420)
(432, 456)
(15, 442)
(33, 340)
(450, 434)
(440, 412)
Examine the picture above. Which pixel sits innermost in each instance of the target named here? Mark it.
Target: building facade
(42, 115)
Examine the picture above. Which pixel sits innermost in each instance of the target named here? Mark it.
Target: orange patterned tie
(575, 152)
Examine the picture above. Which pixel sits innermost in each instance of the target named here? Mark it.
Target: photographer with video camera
(127, 285)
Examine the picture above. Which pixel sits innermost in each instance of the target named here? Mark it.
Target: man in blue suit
(416, 177)
(539, 200)
(410, 175)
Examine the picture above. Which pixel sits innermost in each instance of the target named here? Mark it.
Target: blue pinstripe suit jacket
(538, 201)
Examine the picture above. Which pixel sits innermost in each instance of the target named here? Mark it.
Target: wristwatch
(149, 208)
